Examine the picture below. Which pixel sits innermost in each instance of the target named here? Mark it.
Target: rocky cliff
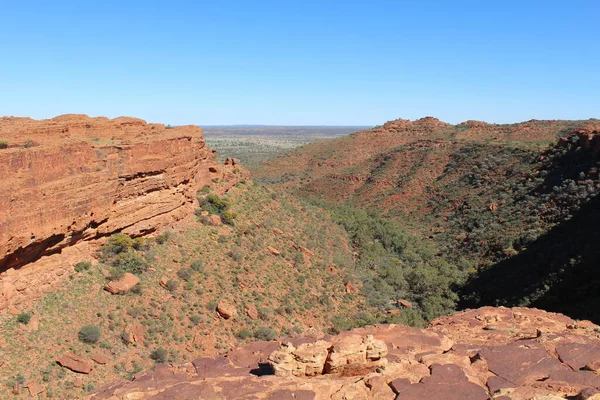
(499, 353)
(73, 179)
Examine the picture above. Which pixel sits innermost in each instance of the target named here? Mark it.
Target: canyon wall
(73, 179)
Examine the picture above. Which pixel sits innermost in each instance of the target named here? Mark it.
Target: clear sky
(301, 62)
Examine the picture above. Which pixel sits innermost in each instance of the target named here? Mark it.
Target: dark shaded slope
(560, 271)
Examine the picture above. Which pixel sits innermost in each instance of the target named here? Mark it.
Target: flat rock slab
(521, 363)
(578, 355)
(76, 363)
(446, 382)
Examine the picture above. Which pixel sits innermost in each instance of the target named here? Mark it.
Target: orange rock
(76, 363)
(99, 357)
(213, 220)
(123, 284)
(351, 289)
(226, 309)
(273, 251)
(405, 303)
(252, 312)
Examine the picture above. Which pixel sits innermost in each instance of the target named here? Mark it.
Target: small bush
(130, 262)
(243, 334)
(140, 243)
(3, 144)
(196, 319)
(160, 355)
(117, 244)
(214, 204)
(163, 237)
(265, 333)
(125, 337)
(23, 318)
(185, 274)
(83, 266)
(172, 285)
(228, 216)
(89, 334)
(197, 265)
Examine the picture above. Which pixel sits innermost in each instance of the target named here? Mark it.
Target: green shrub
(116, 244)
(23, 318)
(265, 333)
(160, 355)
(89, 334)
(130, 262)
(243, 333)
(83, 266)
(163, 237)
(228, 216)
(197, 265)
(140, 243)
(196, 319)
(185, 273)
(214, 204)
(3, 144)
(172, 285)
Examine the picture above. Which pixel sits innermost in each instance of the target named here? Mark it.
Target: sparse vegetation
(3, 144)
(23, 318)
(160, 356)
(89, 334)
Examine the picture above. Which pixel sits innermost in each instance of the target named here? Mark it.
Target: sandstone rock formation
(226, 309)
(122, 285)
(74, 179)
(498, 353)
(76, 363)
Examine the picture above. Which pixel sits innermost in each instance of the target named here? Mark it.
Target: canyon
(250, 289)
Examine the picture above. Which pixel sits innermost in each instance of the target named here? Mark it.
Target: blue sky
(301, 63)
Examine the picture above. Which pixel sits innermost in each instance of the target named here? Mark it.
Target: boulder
(122, 285)
(308, 359)
(76, 363)
(405, 303)
(226, 309)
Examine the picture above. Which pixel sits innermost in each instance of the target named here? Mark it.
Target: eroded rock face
(74, 179)
(457, 357)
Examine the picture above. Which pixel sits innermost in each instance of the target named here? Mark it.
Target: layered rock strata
(73, 179)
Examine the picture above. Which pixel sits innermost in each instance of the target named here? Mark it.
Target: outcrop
(72, 180)
(500, 353)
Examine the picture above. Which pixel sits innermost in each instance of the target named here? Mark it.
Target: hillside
(485, 196)
(144, 249)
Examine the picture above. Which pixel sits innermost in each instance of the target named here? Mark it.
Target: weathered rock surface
(76, 363)
(72, 180)
(122, 285)
(529, 354)
(226, 309)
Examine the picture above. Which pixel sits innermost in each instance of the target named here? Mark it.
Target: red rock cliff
(74, 178)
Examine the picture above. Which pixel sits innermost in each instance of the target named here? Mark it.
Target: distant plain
(253, 144)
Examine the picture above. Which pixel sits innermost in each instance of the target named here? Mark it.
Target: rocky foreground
(499, 353)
